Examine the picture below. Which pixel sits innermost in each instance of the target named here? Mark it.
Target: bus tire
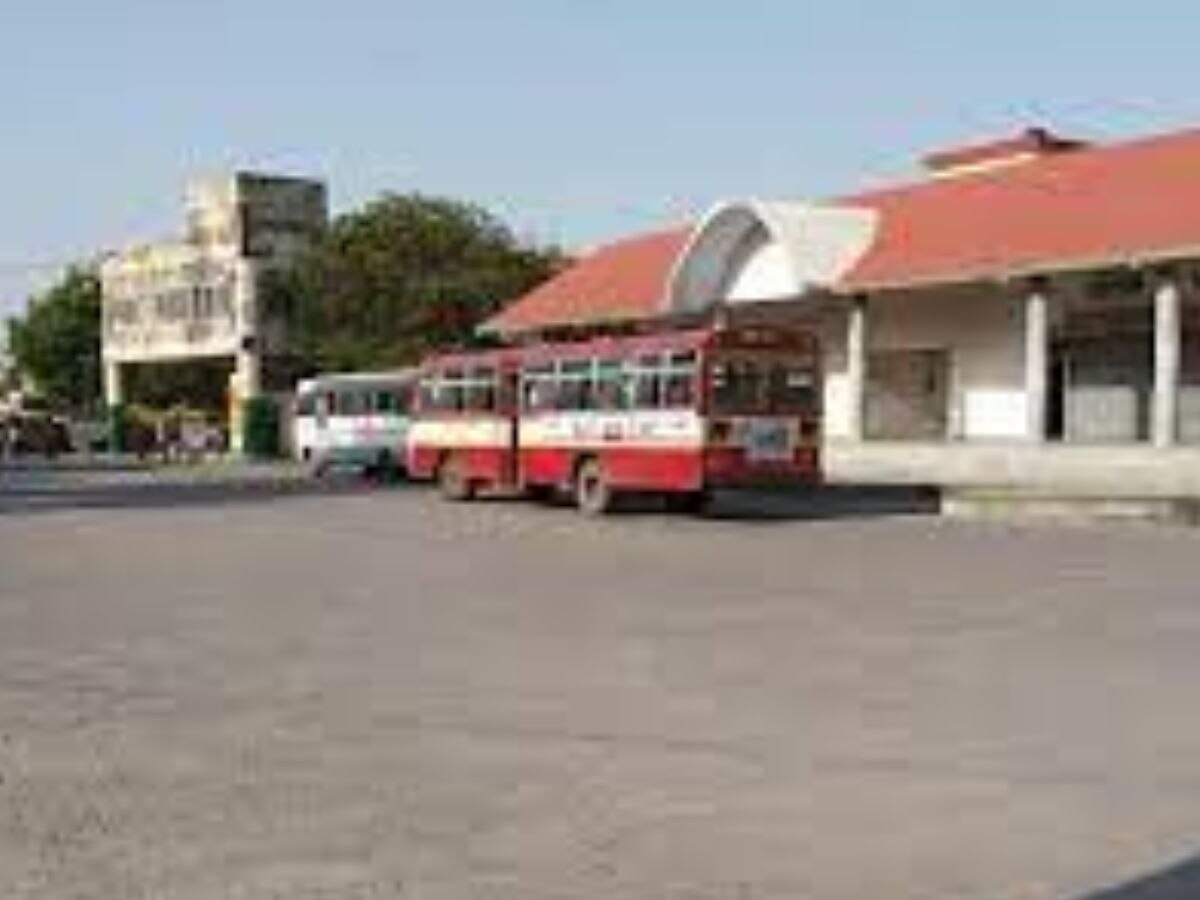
(593, 494)
(453, 481)
(318, 465)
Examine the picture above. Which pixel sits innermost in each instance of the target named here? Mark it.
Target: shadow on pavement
(41, 489)
(1179, 882)
(42, 495)
(825, 503)
(75, 462)
(767, 506)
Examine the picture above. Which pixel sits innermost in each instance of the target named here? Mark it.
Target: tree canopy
(403, 276)
(57, 342)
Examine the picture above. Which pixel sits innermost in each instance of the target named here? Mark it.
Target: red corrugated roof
(1137, 201)
(622, 281)
(1132, 201)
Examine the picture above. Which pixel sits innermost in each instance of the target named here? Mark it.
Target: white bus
(354, 420)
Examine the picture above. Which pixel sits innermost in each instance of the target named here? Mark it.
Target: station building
(198, 297)
(1026, 314)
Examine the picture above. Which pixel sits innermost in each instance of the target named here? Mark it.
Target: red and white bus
(679, 413)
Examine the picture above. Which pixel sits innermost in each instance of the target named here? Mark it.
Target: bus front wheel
(317, 463)
(593, 494)
(453, 480)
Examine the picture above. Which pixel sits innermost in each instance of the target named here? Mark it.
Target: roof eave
(1018, 273)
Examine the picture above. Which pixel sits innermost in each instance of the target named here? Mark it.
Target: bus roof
(333, 379)
(652, 342)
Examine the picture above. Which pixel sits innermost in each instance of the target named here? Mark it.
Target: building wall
(198, 297)
(980, 329)
(170, 301)
(263, 217)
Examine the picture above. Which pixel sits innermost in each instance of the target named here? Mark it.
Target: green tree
(57, 342)
(403, 276)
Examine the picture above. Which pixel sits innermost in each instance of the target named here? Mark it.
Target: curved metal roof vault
(751, 251)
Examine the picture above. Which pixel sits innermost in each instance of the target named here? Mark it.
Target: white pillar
(249, 371)
(856, 370)
(1167, 350)
(245, 381)
(114, 386)
(1037, 363)
(245, 296)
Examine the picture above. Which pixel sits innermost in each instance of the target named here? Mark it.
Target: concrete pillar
(245, 297)
(248, 372)
(114, 384)
(245, 381)
(1168, 338)
(857, 339)
(1037, 363)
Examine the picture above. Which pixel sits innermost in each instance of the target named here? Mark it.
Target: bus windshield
(763, 385)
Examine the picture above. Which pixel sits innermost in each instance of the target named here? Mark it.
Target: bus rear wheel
(453, 481)
(593, 494)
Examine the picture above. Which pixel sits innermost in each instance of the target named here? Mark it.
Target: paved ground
(272, 693)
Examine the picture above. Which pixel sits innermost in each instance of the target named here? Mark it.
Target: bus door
(323, 407)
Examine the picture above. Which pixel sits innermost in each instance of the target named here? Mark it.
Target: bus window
(610, 385)
(678, 392)
(737, 387)
(436, 394)
(393, 401)
(679, 381)
(541, 394)
(427, 392)
(450, 391)
(763, 386)
(647, 390)
(576, 386)
(353, 403)
(647, 382)
(480, 390)
(538, 389)
(792, 389)
(306, 405)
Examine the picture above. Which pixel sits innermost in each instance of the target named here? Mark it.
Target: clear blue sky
(574, 120)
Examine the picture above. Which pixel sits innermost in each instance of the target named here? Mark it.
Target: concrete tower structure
(198, 297)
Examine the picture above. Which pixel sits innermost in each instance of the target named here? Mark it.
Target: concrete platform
(1136, 472)
(1010, 504)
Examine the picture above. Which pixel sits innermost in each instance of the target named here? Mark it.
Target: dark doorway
(1056, 392)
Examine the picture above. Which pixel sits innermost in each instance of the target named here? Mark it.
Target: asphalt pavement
(258, 687)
